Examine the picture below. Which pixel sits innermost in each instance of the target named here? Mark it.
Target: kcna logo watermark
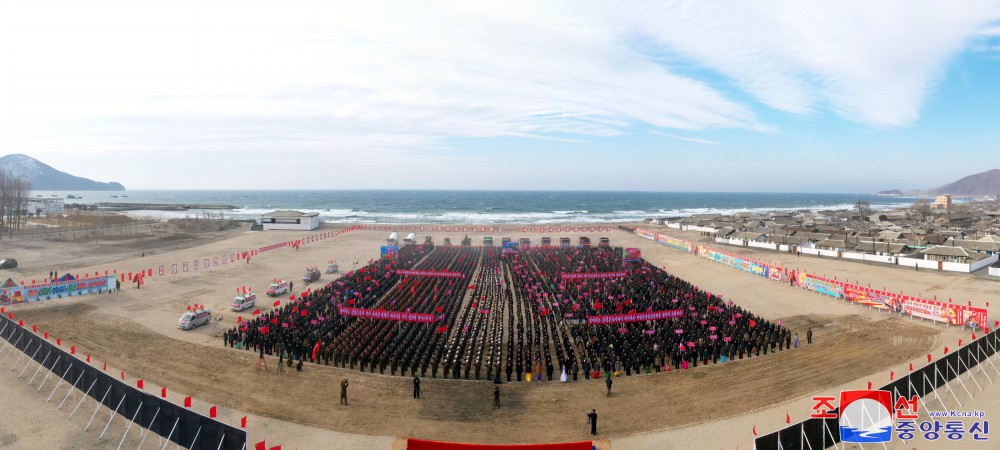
(866, 416)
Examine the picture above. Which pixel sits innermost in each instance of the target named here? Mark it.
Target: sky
(763, 96)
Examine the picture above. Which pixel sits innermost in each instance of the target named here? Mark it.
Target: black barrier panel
(182, 426)
(810, 433)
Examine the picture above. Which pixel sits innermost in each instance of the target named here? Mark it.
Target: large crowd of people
(509, 317)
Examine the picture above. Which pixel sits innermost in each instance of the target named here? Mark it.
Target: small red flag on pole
(869, 385)
(260, 446)
(105, 366)
(243, 422)
(72, 350)
(754, 429)
(788, 418)
(911, 367)
(187, 402)
(212, 412)
(140, 384)
(891, 374)
(928, 357)
(123, 375)
(163, 392)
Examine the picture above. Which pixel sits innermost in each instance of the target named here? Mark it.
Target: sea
(478, 207)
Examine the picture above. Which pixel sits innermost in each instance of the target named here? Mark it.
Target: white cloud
(682, 138)
(346, 81)
(872, 62)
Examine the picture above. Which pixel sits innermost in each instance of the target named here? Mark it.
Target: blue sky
(833, 96)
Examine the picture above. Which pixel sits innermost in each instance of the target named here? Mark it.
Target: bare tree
(14, 192)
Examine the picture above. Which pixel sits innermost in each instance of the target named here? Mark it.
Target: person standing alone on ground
(496, 396)
(809, 336)
(608, 382)
(592, 419)
(416, 387)
(343, 391)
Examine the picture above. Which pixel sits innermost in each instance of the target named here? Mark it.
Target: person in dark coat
(496, 396)
(416, 387)
(592, 419)
(607, 381)
(343, 391)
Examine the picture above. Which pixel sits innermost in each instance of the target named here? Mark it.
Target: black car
(9, 263)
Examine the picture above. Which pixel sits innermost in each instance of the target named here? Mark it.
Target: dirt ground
(135, 331)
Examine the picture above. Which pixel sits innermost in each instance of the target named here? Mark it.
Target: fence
(816, 433)
(173, 422)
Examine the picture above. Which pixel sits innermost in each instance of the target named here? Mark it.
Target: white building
(290, 220)
(45, 206)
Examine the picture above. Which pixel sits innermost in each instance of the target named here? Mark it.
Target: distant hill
(980, 184)
(44, 178)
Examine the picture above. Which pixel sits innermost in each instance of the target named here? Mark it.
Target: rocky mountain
(980, 184)
(45, 178)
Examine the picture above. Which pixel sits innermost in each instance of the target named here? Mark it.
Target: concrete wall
(985, 262)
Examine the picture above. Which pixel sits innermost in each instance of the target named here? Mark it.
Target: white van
(193, 319)
(277, 288)
(242, 302)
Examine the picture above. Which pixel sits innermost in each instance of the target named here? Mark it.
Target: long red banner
(593, 276)
(637, 317)
(397, 316)
(429, 273)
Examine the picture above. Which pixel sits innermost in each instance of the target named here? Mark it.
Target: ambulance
(193, 319)
(243, 301)
(277, 288)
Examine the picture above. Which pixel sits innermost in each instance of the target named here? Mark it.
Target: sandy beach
(717, 406)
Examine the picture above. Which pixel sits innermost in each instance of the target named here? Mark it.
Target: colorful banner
(510, 248)
(397, 316)
(636, 317)
(631, 255)
(645, 233)
(429, 273)
(390, 252)
(675, 243)
(59, 289)
(567, 276)
(736, 262)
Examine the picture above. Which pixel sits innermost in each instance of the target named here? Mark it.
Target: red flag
(439, 309)
(46, 335)
(123, 375)
(305, 312)
(277, 303)
(276, 447)
(187, 402)
(20, 322)
(256, 312)
(105, 366)
(140, 384)
(243, 422)
(973, 336)
(163, 392)
(753, 323)
(274, 321)
(260, 446)
(34, 328)
(350, 301)
(213, 412)
(891, 374)
(959, 342)
(946, 350)
(754, 429)
(869, 385)
(788, 418)
(72, 350)
(911, 367)
(239, 319)
(928, 357)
